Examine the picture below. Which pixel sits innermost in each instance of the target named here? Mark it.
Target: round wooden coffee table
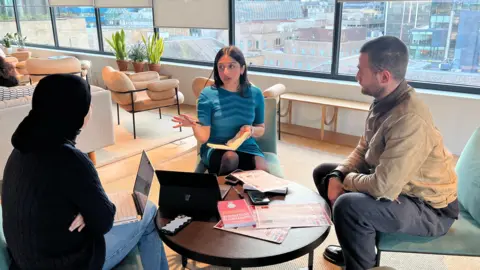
(201, 242)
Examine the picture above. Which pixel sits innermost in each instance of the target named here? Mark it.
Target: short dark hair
(387, 53)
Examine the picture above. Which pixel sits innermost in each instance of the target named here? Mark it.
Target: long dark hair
(235, 53)
(7, 74)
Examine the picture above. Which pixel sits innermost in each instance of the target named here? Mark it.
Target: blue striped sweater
(226, 112)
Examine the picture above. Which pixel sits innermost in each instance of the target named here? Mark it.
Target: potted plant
(138, 54)
(20, 41)
(154, 45)
(118, 45)
(7, 43)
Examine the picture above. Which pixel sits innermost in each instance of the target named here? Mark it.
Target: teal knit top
(226, 112)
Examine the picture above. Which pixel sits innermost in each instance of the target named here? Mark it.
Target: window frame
(333, 74)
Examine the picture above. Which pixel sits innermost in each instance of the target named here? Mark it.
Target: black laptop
(192, 194)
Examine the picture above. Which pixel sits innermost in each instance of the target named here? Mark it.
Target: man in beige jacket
(400, 178)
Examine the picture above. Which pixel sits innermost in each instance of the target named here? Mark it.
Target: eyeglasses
(230, 66)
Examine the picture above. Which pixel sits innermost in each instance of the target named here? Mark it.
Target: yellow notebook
(231, 145)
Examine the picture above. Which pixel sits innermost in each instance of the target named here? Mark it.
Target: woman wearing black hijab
(56, 214)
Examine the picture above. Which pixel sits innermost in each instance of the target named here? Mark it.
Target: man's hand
(335, 189)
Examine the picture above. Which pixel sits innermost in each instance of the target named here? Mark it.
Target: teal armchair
(462, 238)
(268, 142)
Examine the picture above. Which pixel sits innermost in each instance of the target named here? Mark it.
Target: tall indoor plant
(138, 54)
(154, 45)
(119, 47)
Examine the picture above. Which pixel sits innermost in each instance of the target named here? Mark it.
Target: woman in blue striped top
(229, 108)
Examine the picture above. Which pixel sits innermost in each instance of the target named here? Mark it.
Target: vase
(138, 66)
(8, 51)
(122, 65)
(154, 67)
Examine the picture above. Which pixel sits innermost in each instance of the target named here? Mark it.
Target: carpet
(152, 132)
(298, 163)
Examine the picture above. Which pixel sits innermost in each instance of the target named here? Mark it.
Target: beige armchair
(22, 57)
(38, 68)
(141, 92)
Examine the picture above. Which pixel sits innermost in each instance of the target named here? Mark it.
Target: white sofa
(97, 134)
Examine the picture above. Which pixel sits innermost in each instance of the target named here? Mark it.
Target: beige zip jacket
(401, 152)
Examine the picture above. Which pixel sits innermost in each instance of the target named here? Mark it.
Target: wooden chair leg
(160, 112)
(93, 157)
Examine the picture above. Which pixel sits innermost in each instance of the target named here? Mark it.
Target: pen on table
(239, 194)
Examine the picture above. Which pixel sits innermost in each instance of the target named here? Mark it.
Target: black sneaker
(334, 255)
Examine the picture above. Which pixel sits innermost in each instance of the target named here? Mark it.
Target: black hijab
(60, 103)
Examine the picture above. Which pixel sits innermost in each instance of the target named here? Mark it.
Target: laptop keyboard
(126, 209)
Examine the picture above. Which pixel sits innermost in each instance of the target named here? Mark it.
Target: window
(76, 27)
(134, 21)
(443, 48)
(7, 18)
(302, 25)
(193, 44)
(35, 21)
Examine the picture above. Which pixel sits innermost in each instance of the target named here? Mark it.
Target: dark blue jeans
(358, 217)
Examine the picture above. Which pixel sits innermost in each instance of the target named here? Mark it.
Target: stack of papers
(262, 181)
(276, 235)
(291, 215)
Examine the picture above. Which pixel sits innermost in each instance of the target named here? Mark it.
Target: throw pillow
(8, 93)
(468, 171)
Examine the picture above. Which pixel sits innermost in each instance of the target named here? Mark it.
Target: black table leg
(310, 260)
(184, 261)
(236, 268)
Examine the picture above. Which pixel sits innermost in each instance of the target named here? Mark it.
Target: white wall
(456, 115)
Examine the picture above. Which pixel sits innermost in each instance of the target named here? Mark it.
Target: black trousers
(358, 218)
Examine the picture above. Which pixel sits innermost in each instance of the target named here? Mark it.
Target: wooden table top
(341, 103)
(201, 242)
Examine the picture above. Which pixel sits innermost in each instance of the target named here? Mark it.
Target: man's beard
(375, 93)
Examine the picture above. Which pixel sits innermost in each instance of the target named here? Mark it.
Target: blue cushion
(4, 256)
(461, 239)
(468, 171)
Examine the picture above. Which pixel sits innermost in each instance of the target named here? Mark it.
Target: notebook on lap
(131, 205)
(192, 194)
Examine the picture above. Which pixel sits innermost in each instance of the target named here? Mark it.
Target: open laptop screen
(143, 183)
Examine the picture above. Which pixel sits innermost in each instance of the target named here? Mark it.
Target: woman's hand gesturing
(184, 120)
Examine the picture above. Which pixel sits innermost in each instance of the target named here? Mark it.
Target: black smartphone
(230, 179)
(258, 197)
